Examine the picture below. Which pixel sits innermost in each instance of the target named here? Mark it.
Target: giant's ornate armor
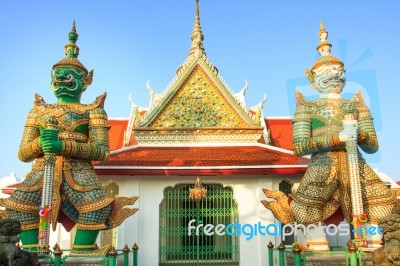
(77, 192)
(331, 129)
(62, 182)
(326, 184)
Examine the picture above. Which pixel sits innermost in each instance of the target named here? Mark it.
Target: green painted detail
(29, 237)
(316, 123)
(83, 128)
(85, 237)
(176, 210)
(67, 84)
(69, 79)
(198, 104)
(197, 99)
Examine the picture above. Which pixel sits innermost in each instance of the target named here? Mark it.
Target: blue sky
(267, 43)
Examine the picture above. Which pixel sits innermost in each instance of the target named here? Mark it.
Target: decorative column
(57, 255)
(297, 257)
(135, 254)
(281, 249)
(352, 249)
(112, 253)
(270, 254)
(126, 250)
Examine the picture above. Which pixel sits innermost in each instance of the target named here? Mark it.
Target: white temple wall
(143, 227)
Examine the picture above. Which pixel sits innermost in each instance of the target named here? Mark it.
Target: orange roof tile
(10, 188)
(116, 132)
(240, 157)
(281, 134)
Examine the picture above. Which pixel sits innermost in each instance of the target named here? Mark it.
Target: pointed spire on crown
(325, 47)
(197, 35)
(73, 27)
(322, 29)
(71, 51)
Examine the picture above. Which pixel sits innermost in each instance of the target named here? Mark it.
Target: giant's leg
(89, 207)
(314, 201)
(23, 205)
(30, 232)
(378, 201)
(88, 230)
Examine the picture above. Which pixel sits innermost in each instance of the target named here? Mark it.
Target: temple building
(197, 129)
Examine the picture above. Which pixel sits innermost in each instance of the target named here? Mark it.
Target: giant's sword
(47, 192)
(355, 181)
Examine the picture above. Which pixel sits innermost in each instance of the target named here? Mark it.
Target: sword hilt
(51, 122)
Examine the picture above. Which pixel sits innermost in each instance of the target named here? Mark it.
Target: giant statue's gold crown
(324, 49)
(71, 51)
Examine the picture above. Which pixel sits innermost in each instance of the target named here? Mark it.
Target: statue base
(327, 259)
(76, 261)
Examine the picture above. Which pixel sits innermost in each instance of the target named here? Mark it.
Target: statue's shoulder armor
(39, 101)
(303, 108)
(97, 107)
(302, 101)
(40, 107)
(99, 102)
(361, 108)
(357, 100)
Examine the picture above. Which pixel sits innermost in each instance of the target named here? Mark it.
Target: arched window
(177, 247)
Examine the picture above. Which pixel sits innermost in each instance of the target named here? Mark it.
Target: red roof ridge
(118, 118)
(195, 145)
(261, 166)
(279, 117)
(275, 148)
(266, 117)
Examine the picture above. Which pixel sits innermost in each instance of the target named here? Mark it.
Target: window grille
(177, 247)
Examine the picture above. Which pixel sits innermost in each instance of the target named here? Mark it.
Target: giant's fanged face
(329, 78)
(67, 82)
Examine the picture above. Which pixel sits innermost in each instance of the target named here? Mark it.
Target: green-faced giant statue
(79, 137)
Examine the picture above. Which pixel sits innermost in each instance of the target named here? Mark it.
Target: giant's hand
(350, 131)
(49, 141)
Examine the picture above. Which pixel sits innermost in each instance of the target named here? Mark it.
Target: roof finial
(197, 35)
(197, 8)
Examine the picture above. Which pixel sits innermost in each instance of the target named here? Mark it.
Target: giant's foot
(316, 239)
(280, 207)
(84, 243)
